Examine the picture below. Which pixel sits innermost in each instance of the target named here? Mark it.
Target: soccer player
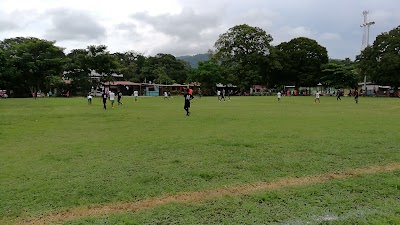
(338, 95)
(112, 98)
(317, 97)
(188, 98)
(219, 95)
(89, 99)
(223, 94)
(279, 95)
(104, 97)
(166, 95)
(356, 96)
(136, 94)
(119, 98)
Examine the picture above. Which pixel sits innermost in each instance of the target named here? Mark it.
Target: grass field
(58, 155)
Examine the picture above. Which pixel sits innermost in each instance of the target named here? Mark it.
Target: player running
(338, 94)
(112, 98)
(119, 98)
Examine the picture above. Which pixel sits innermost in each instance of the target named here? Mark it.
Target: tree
(244, 53)
(78, 70)
(101, 61)
(340, 74)
(176, 70)
(301, 60)
(31, 63)
(84, 62)
(162, 77)
(131, 64)
(381, 61)
(3, 82)
(208, 73)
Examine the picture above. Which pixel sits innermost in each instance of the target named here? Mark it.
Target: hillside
(194, 59)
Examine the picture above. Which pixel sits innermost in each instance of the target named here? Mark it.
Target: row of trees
(243, 56)
(31, 64)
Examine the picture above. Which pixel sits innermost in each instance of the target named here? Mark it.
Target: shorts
(112, 101)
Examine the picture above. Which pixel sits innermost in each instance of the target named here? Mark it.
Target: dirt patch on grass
(187, 197)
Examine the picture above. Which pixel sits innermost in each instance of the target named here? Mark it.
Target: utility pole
(365, 41)
(366, 26)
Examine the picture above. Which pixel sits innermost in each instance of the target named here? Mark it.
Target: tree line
(242, 56)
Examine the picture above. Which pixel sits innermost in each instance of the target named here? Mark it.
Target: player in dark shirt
(104, 97)
(188, 98)
(338, 94)
(119, 98)
(356, 96)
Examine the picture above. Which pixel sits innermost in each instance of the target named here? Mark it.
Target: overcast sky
(187, 27)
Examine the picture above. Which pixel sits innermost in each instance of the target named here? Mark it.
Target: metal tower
(366, 25)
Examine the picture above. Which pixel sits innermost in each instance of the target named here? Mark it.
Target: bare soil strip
(188, 197)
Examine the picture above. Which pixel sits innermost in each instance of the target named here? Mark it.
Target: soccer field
(250, 160)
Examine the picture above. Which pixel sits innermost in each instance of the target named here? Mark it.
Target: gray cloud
(334, 24)
(196, 25)
(74, 25)
(189, 32)
(8, 22)
(6, 25)
(186, 25)
(126, 27)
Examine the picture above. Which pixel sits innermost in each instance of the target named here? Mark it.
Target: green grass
(372, 199)
(61, 153)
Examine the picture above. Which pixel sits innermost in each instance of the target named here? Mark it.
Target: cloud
(125, 26)
(193, 26)
(330, 36)
(186, 25)
(183, 33)
(6, 25)
(67, 25)
(287, 33)
(10, 22)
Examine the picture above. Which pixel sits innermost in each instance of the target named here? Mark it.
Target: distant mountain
(194, 59)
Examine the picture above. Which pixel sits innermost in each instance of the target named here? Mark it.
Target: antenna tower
(366, 25)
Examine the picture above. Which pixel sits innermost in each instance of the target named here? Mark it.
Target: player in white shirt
(89, 98)
(279, 95)
(166, 95)
(219, 95)
(317, 98)
(136, 94)
(112, 98)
